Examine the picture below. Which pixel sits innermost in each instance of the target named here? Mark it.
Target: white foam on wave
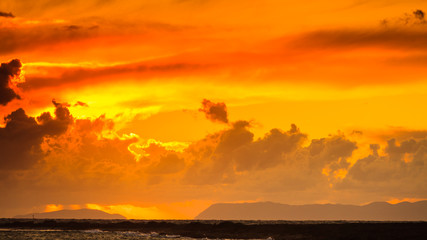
(93, 231)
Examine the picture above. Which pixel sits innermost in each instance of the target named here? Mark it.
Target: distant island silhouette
(377, 211)
(73, 214)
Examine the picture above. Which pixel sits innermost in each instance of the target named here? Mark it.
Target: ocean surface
(95, 234)
(48, 229)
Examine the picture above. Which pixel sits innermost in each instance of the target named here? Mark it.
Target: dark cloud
(8, 71)
(394, 38)
(6, 14)
(46, 35)
(32, 38)
(60, 123)
(72, 27)
(81, 104)
(22, 136)
(216, 112)
(419, 14)
(69, 76)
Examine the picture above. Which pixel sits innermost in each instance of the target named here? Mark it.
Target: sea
(95, 234)
(47, 229)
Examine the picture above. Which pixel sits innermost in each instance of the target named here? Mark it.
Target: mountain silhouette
(73, 214)
(377, 211)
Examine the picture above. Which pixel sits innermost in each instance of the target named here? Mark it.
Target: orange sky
(158, 109)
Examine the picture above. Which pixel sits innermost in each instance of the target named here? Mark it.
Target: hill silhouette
(377, 211)
(73, 214)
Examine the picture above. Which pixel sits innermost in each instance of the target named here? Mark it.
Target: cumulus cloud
(216, 112)
(167, 164)
(211, 158)
(399, 170)
(221, 156)
(89, 155)
(6, 14)
(58, 151)
(331, 152)
(8, 71)
(269, 151)
(22, 136)
(233, 156)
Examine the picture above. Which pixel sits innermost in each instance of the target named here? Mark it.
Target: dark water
(19, 234)
(47, 229)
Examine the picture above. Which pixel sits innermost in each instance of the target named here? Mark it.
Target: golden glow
(326, 171)
(75, 206)
(132, 212)
(179, 210)
(53, 207)
(408, 157)
(396, 200)
(174, 146)
(340, 173)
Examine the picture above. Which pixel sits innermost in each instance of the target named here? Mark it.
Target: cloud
(144, 70)
(219, 157)
(81, 104)
(22, 136)
(211, 159)
(269, 151)
(24, 37)
(419, 14)
(216, 112)
(167, 164)
(394, 38)
(399, 170)
(9, 71)
(404, 32)
(6, 14)
(89, 154)
(331, 152)
(400, 134)
(72, 27)
(408, 19)
(61, 152)
(277, 162)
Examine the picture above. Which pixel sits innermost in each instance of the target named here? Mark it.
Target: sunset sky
(158, 109)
